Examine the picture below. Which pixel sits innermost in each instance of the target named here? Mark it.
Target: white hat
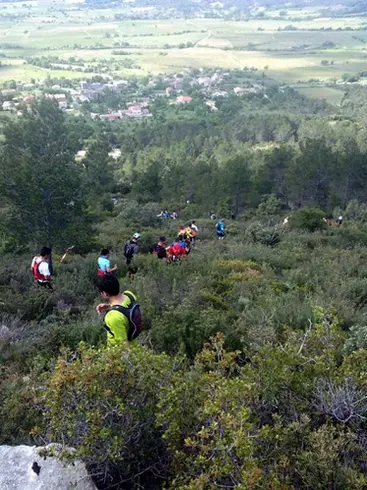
(136, 236)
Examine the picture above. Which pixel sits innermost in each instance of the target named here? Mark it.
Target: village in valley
(126, 98)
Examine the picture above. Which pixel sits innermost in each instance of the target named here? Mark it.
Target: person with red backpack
(177, 250)
(122, 316)
(40, 268)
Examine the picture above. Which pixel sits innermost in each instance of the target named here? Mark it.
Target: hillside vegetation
(250, 372)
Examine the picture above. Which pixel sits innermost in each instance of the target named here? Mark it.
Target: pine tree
(40, 180)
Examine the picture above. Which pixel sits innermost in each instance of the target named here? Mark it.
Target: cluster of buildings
(87, 92)
(91, 89)
(15, 103)
(254, 90)
(173, 87)
(210, 86)
(134, 109)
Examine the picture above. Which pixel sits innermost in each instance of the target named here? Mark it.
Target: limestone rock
(22, 468)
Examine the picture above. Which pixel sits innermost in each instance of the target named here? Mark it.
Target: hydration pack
(37, 276)
(133, 314)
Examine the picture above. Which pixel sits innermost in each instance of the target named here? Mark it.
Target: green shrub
(357, 339)
(18, 411)
(103, 403)
(309, 219)
(257, 233)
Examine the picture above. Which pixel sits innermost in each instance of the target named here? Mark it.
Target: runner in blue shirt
(104, 264)
(220, 229)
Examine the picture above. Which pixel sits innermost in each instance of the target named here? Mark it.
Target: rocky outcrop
(23, 468)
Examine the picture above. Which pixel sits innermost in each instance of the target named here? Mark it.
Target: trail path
(208, 33)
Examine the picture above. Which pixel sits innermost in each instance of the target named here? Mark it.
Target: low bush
(103, 403)
(309, 219)
(257, 233)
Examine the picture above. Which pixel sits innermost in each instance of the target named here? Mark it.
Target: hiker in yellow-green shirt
(122, 317)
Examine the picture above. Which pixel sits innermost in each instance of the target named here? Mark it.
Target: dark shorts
(46, 285)
(131, 266)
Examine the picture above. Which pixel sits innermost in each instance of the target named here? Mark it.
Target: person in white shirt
(41, 269)
(194, 227)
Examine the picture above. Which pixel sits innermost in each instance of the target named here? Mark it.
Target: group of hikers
(179, 248)
(121, 314)
(338, 221)
(167, 214)
(167, 252)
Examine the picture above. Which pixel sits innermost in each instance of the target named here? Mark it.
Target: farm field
(290, 52)
(331, 95)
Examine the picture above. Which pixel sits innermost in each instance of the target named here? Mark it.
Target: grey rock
(5, 332)
(22, 468)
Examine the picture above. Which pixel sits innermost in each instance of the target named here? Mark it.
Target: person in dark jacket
(131, 250)
(160, 248)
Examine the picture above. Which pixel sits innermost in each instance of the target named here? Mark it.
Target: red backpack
(178, 250)
(35, 270)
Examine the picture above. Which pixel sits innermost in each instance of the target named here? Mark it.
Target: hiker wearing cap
(131, 249)
(104, 264)
(40, 268)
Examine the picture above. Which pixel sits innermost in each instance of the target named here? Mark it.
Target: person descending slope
(182, 232)
(159, 248)
(220, 229)
(194, 227)
(194, 231)
(190, 233)
(122, 316)
(40, 268)
(131, 249)
(104, 264)
(177, 250)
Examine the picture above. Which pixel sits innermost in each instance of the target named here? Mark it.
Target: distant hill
(191, 5)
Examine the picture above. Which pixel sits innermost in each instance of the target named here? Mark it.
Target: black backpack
(133, 314)
(129, 250)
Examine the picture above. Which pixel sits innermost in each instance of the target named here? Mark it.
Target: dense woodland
(251, 369)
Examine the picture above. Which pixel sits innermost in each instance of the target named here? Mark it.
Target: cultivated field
(103, 43)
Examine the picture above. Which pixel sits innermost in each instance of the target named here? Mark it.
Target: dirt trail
(208, 33)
